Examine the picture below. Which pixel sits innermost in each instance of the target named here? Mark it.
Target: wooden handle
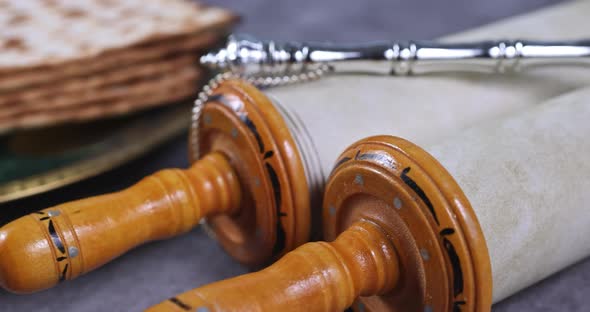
(315, 277)
(62, 242)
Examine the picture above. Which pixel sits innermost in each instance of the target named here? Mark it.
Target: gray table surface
(156, 271)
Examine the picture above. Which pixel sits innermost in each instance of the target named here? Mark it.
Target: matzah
(43, 33)
(148, 94)
(107, 61)
(113, 91)
(34, 98)
(73, 60)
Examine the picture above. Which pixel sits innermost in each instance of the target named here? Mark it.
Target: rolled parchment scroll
(408, 234)
(339, 108)
(262, 166)
(528, 180)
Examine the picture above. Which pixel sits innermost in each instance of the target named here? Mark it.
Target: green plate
(39, 160)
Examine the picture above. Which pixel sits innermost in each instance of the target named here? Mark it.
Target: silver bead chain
(274, 81)
(258, 81)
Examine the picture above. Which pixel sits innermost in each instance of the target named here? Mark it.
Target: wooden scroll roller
(255, 183)
(263, 158)
(486, 213)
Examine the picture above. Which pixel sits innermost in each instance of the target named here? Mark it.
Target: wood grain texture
(441, 249)
(245, 126)
(317, 276)
(62, 242)
(404, 238)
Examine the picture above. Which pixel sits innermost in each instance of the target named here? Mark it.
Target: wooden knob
(257, 208)
(275, 216)
(314, 277)
(62, 242)
(405, 239)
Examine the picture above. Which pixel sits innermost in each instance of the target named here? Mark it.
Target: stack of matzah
(74, 60)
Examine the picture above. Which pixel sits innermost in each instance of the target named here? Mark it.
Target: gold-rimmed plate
(38, 160)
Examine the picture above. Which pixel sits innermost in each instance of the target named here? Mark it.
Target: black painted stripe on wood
(455, 262)
(180, 304)
(55, 238)
(340, 162)
(254, 131)
(62, 277)
(276, 186)
(416, 188)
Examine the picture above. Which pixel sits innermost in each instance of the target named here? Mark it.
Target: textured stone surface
(155, 272)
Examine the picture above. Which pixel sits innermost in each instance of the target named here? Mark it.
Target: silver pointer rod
(250, 57)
